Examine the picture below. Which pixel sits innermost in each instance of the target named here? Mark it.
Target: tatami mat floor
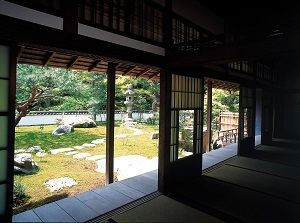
(260, 188)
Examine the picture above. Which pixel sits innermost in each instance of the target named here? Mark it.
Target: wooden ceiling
(72, 61)
(218, 84)
(47, 58)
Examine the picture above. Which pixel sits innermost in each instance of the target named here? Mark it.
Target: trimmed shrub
(19, 195)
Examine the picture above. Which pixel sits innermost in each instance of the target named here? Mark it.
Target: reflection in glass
(3, 132)
(4, 61)
(4, 95)
(2, 198)
(186, 130)
(3, 165)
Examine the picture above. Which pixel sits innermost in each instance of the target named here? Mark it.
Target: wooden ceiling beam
(73, 62)
(154, 75)
(97, 62)
(143, 72)
(51, 55)
(129, 71)
(20, 53)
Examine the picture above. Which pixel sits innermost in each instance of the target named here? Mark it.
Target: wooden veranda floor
(91, 204)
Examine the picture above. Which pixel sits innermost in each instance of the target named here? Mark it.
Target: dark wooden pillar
(164, 129)
(209, 115)
(8, 64)
(110, 121)
(70, 8)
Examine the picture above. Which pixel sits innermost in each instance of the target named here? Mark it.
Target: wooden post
(110, 121)
(209, 115)
(164, 129)
(165, 102)
(70, 23)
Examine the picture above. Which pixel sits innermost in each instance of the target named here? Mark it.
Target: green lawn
(54, 166)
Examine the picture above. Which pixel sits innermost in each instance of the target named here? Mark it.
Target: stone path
(125, 166)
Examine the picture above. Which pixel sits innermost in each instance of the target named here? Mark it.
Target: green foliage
(143, 92)
(222, 101)
(19, 194)
(154, 120)
(80, 90)
(98, 97)
(58, 85)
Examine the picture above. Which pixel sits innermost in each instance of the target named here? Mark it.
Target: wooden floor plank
(152, 174)
(126, 190)
(78, 210)
(114, 196)
(27, 216)
(145, 180)
(96, 202)
(53, 213)
(139, 185)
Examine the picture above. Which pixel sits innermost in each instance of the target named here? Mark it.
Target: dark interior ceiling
(249, 21)
(252, 13)
(256, 20)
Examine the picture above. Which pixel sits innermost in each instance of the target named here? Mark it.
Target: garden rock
(80, 122)
(33, 149)
(154, 135)
(63, 129)
(24, 163)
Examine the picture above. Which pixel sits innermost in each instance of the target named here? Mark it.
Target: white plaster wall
(51, 119)
(200, 15)
(117, 39)
(30, 15)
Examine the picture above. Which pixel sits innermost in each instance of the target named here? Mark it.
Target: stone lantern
(129, 103)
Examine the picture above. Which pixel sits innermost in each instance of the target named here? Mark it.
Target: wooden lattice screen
(228, 121)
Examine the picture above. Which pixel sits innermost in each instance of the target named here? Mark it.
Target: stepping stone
(71, 153)
(88, 145)
(96, 157)
(79, 147)
(60, 150)
(121, 136)
(81, 155)
(97, 141)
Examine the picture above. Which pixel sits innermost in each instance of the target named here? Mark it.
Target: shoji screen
(7, 98)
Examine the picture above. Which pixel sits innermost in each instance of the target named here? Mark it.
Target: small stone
(40, 154)
(20, 150)
(154, 135)
(59, 183)
(60, 150)
(71, 153)
(33, 149)
(97, 142)
(88, 145)
(81, 155)
(96, 157)
(78, 147)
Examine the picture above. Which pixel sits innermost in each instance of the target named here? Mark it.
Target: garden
(31, 191)
(53, 89)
